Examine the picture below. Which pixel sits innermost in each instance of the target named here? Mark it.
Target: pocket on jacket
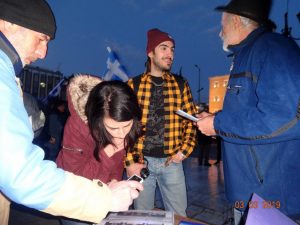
(256, 165)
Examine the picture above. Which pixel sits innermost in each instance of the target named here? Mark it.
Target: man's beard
(225, 47)
(161, 67)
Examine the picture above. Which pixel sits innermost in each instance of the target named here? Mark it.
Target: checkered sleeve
(129, 160)
(188, 129)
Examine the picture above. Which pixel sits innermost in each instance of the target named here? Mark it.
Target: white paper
(138, 217)
(186, 115)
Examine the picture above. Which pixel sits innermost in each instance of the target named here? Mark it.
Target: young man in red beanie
(26, 27)
(169, 138)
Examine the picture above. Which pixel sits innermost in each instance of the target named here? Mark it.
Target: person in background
(104, 123)
(204, 143)
(259, 123)
(56, 120)
(169, 138)
(219, 150)
(26, 27)
(36, 115)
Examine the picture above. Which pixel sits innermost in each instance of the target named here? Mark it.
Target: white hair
(246, 22)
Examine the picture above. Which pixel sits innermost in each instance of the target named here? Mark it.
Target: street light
(199, 87)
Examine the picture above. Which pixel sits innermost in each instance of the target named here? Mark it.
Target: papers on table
(138, 217)
(263, 212)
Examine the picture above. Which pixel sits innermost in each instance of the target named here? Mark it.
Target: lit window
(216, 84)
(216, 99)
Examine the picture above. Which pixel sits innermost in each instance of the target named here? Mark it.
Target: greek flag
(115, 71)
(55, 91)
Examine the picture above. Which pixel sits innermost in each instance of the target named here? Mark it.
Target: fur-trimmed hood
(79, 89)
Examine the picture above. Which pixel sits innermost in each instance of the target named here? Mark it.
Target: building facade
(217, 91)
(39, 82)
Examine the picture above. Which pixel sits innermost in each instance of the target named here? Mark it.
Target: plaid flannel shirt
(180, 134)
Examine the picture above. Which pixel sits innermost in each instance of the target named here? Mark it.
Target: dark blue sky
(87, 27)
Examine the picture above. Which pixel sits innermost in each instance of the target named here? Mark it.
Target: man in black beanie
(259, 123)
(26, 27)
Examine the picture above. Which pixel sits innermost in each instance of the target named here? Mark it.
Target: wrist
(181, 155)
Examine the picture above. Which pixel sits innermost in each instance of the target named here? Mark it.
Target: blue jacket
(259, 122)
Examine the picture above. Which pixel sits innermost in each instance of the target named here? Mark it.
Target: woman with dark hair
(104, 123)
(113, 105)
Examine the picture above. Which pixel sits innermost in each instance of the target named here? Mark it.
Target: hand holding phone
(136, 178)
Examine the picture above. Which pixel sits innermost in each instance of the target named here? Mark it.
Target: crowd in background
(48, 121)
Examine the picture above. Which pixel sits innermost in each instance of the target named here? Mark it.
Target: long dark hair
(148, 65)
(118, 101)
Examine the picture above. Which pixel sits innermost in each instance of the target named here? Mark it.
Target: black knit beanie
(32, 14)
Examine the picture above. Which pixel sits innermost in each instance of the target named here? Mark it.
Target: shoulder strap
(180, 82)
(136, 82)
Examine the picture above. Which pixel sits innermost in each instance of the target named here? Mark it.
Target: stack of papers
(262, 213)
(139, 217)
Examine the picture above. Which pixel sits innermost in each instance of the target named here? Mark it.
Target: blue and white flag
(115, 71)
(55, 91)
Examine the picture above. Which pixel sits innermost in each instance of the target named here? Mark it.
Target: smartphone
(136, 178)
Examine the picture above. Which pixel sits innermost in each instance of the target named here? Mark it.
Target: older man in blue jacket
(259, 123)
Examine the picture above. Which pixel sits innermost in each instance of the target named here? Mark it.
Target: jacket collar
(248, 40)
(12, 54)
(166, 76)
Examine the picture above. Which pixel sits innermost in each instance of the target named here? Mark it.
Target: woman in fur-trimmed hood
(103, 124)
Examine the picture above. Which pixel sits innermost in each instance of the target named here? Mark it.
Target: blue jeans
(238, 217)
(171, 182)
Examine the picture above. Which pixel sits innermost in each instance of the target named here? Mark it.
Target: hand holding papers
(186, 115)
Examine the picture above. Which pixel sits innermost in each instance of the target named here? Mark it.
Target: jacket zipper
(73, 149)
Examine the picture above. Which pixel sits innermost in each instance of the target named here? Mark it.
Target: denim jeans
(238, 217)
(171, 182)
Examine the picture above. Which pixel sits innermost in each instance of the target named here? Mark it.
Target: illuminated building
(217, 90)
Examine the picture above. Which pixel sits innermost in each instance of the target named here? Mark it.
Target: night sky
(87, 27)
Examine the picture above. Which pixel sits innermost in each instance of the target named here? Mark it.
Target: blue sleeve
(274, 115)
(24, 176)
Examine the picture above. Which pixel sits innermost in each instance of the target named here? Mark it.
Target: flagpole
(199, 87)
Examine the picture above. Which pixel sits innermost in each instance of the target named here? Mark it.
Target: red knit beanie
(155, 37)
